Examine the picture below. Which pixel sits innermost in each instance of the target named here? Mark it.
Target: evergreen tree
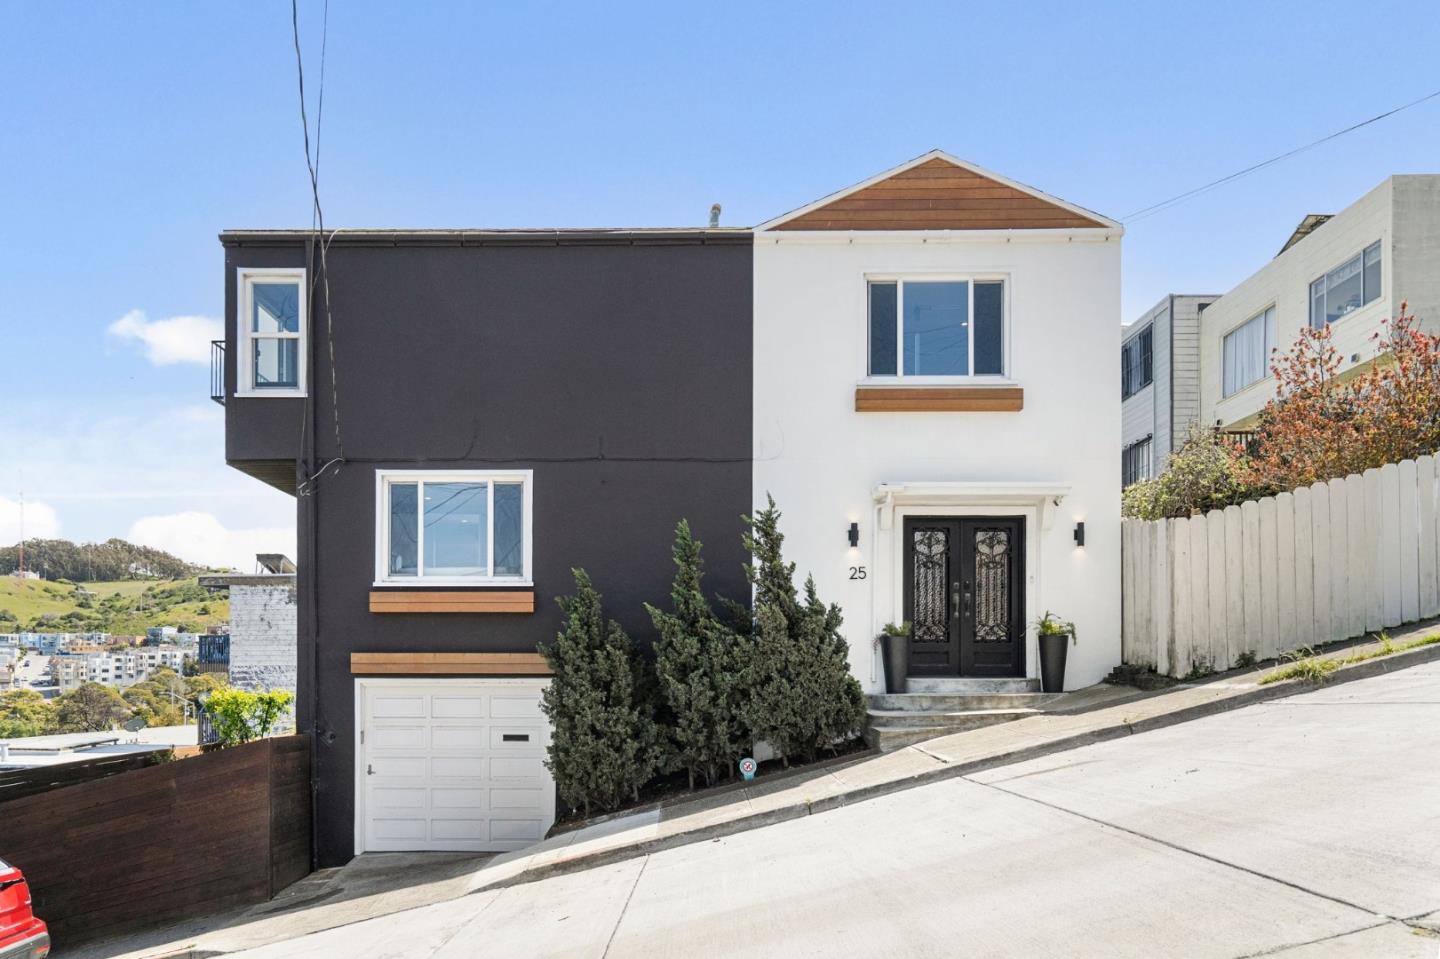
(604, 743)
(697, 664)
(800, 694)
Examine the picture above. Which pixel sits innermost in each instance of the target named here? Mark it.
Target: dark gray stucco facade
(614, 364)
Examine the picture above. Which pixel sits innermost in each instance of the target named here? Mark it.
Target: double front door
(965, 595)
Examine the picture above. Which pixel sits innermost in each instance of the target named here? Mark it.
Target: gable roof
(937, 191)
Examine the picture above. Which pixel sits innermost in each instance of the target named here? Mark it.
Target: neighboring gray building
(262, 628)
(1159, 383)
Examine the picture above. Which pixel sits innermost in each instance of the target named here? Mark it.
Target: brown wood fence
(152, 846)
(26, 781)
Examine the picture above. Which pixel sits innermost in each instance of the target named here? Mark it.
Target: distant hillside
(114, 559)
(126, 608)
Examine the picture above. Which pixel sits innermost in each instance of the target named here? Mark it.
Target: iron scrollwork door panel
(992, 567)
(932, 596)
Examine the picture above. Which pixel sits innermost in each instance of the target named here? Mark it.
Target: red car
(22, 936)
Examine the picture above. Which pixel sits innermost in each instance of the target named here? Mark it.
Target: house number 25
(857, 572)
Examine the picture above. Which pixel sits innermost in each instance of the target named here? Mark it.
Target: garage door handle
(369, 770)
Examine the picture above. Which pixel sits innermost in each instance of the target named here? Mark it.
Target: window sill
(269, 394)
(471, 583)
(975, 398)
(917, 382)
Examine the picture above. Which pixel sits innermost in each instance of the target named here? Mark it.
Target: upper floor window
(1346, 288)
(470, 527)
(935, 327)
(1245, 353)
(272, 329)
(1137, 363)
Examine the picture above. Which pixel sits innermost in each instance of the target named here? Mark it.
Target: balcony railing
(217, 371)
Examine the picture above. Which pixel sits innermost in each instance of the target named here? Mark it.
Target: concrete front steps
(934, 707)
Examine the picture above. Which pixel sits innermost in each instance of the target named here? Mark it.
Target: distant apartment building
(119, 669)
(1159, 383)
(1350, 272)
(260, 652)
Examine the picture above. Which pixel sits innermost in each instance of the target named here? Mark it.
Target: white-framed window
(458, 528)
(1245, 351)
(272, 329)
(938, 327)
(1346, 288)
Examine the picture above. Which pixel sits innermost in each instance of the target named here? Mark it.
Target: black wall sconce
(1080, 533)
(854, 535)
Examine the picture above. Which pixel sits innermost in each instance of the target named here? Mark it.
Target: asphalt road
(1304, 827)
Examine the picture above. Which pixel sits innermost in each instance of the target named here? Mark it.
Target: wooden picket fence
(1324, 562)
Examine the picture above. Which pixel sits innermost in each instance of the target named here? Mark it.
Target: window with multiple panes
(1136, 462)
(1346, 288)
(937, 327)
(272, 329)
(1245, 352)
(466, 527)
(1137, 362)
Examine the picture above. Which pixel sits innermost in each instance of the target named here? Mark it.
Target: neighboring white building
(1351, 271)
(935, 362)
(1159, 383)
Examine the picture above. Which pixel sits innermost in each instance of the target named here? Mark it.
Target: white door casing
(453, 764)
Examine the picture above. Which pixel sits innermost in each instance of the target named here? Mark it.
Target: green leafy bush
(240, 716)
(1207, 472)
(604, 744)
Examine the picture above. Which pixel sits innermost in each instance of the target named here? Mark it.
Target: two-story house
(920, 369)
(1350, 271)
(1159, 383)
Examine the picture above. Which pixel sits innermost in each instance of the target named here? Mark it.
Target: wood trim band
(448, 664)
(939, 399)
(448, 601)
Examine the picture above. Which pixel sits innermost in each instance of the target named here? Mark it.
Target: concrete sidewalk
(1088, 716)
(385, 884)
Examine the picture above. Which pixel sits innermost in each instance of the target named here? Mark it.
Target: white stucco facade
(1402, 214)
(1054, 462)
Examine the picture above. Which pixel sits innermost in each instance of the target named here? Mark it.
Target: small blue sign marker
(747, 768)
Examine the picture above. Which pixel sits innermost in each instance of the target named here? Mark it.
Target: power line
(1188, 194)
(317, 219)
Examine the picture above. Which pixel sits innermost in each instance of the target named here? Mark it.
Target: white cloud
(180, 339)
(41, 521)
(202, 538)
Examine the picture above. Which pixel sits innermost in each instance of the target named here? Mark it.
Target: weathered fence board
(1313, 565)
(1425, 511)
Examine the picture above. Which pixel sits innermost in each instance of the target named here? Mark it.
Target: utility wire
(1180, 198)
(317, 221)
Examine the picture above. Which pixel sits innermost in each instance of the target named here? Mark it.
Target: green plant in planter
(1052, 625)
(890, 629)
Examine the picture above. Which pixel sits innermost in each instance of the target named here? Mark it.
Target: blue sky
(135, 132)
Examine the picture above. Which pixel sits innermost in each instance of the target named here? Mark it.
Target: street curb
(1279, 690)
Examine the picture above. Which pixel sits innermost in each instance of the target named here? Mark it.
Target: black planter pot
(897, 662)
(1053, 649)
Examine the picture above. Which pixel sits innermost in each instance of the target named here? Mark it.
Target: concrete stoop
(934, 707)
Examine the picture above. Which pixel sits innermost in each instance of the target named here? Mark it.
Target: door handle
(967, 600)
(369, 770)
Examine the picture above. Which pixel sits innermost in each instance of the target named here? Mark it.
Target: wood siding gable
(939, 194)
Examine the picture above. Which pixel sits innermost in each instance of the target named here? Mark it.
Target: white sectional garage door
(452, 764)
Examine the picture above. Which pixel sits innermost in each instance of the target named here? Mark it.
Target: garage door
(452, 764)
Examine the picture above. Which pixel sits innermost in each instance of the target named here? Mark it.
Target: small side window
(271, 330)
